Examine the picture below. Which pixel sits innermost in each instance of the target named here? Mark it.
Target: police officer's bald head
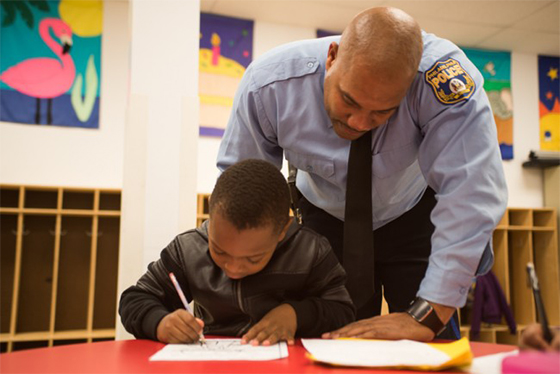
(383, 38)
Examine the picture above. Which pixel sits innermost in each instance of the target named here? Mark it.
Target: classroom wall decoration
(50, 69)
(226, 49)
(549, 105)
(496, 70)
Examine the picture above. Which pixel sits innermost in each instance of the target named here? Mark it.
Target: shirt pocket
(396, 174)
(312, 164)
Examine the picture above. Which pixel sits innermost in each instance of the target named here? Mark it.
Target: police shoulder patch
(450, 82)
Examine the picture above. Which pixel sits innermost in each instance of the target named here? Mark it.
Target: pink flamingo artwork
(44, 77)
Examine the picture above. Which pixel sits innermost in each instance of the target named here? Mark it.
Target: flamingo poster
(495, 67)
(549, 103)
(226, 49)
(50, 69)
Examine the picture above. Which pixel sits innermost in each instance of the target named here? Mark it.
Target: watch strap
(424, 313)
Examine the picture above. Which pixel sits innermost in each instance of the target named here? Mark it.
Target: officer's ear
(332, 54)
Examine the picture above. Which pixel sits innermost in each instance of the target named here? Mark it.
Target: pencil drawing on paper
(216, 346)
(220, 350)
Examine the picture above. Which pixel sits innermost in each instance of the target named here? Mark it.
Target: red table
(131, 356)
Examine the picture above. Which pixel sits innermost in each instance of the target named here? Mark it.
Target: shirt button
(462, 290)
(310, 64)
(309, 168)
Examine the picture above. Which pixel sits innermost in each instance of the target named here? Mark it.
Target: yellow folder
(400, 354)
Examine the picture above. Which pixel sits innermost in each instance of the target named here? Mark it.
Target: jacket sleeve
(328, 305)
(460, 159)
(144, 305)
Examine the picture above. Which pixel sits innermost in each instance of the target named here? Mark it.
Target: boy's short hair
(250, 194)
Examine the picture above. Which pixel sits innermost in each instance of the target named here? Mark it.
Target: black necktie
(358, 232)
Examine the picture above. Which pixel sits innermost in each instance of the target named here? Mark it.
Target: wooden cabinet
(59, 257)
(524, 235)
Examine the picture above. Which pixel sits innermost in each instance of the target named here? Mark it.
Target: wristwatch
(423, 312)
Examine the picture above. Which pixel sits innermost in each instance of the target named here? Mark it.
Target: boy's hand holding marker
(179, 327)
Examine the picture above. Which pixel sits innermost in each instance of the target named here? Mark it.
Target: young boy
(251, 271)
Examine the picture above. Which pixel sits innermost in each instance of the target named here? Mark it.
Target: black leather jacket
(302, 272)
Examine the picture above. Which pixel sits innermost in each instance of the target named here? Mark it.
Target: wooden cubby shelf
(59, 264)
(202, 208)
(523, 235)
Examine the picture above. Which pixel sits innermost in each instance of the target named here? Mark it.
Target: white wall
(525, 185)
(161, 134)
(57, 156)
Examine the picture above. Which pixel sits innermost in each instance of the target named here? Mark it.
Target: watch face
(423, 312)
(420, 309)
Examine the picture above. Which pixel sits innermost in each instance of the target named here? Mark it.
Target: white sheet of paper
(490, 364)
(373, 353)
(220, 350)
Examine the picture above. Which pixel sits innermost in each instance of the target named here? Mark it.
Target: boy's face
(241, 253)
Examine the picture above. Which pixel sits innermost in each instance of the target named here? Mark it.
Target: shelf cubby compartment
(545, 257)
(545, 218)
(35, 283)
(73, 273)
(520, 218)
(488, 332)
(501, 260)
(110, 200)
(9, 197)
(68, 341)
(506, 337)
(43, 198)
(202, 208)
(105, 306)
(521, 297)
(8, 242)
(30, 344)
(77, 199)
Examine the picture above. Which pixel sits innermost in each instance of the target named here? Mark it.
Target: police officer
(438, 188)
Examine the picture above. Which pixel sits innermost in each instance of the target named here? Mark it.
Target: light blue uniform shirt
(435, 138)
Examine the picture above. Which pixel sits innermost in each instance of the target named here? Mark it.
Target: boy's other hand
(533, 338)
(179, 327)
(277, 325)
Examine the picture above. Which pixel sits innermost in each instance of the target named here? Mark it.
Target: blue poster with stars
(549, 105)
(226, 49)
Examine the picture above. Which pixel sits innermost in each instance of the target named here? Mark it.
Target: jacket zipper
(240, 303)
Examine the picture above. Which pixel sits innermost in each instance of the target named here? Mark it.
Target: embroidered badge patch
(450, 82)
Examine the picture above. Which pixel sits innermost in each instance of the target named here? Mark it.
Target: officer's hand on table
(277, 325)
(392, 326)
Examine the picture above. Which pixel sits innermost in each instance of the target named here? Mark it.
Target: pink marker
(185, 303)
